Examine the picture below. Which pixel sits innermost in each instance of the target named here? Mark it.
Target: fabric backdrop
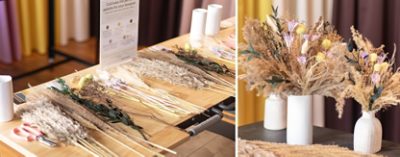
(380, 22)
(250, 106)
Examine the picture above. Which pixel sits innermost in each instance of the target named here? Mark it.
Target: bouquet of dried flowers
(375, 83)
(287, 57)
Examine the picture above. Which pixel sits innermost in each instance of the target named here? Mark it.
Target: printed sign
(119, 23)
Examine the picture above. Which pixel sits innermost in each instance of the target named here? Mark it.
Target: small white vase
(6, 98)
(319, 110)
(299, 120)
(275, 113)
(368, 133)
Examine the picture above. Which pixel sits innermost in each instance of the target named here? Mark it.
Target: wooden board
(162, 134)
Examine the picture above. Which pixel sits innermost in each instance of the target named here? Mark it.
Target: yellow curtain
(33, 15)
(251, 107)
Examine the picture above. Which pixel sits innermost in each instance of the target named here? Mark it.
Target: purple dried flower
(315, 37)
(329, 54)
(381, 58)
(302, 59)
(375, 78)
(288, 39)
(291, 25)
(364, 55)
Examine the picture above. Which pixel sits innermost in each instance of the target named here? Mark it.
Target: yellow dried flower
(326, 44)
(373, 57)
(301, 28)
(320, 57)
(84, 80)
(384, 66)
(377, 67)
(188, 47)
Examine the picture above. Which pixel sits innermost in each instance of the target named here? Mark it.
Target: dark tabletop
(256, 131)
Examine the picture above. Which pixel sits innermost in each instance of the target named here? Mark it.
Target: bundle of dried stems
(126, 84)
(375, 83)
(267, 149)
(114, 132)
(288, 58)
(215, 81)
(60, 127)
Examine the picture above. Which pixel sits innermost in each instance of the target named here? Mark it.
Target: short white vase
(368, 133)
(319, 110)
(275, 113)
(299, 120)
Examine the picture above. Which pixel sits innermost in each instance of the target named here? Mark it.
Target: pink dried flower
(302, 59)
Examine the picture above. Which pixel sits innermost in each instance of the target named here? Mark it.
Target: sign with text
(119, 23)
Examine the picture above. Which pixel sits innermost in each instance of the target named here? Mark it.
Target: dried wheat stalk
(267, 149)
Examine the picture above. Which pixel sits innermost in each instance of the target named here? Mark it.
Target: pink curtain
(5, 45)
(14, 29)
(189, 5)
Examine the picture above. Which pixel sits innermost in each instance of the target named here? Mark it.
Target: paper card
(119, 23)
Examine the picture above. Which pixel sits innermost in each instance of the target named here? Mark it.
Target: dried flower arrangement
(214, 82)
(375, 84)
(59, 127)
(287, 57)
(108, 111)
(267, 149)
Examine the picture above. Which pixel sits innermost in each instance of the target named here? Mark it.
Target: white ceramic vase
(275, 113)
(319, 110)
(299, 120)
(368, 133)
(6, 98)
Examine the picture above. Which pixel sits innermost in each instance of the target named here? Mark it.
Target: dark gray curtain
(378, 20)
(159, 20)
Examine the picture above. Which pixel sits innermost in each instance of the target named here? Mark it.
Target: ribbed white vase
(6, 98)
(299, 120)
(368, 133)
(275, 113)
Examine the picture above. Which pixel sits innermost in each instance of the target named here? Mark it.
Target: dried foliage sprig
(109, 112)
(190, 56)
(375, 83)
(288, 58)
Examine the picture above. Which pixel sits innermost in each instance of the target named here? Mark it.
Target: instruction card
(119, 23)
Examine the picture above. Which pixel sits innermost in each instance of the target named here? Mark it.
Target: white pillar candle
(6, 98)
(214, 15)
(81, 20)
(197, 27)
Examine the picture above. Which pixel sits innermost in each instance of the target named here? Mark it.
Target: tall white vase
(299, 120)
(275, 113)
(368, 133)
(319, 110)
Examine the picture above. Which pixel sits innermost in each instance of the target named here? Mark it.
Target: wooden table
(162, 134)
(326, 136)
